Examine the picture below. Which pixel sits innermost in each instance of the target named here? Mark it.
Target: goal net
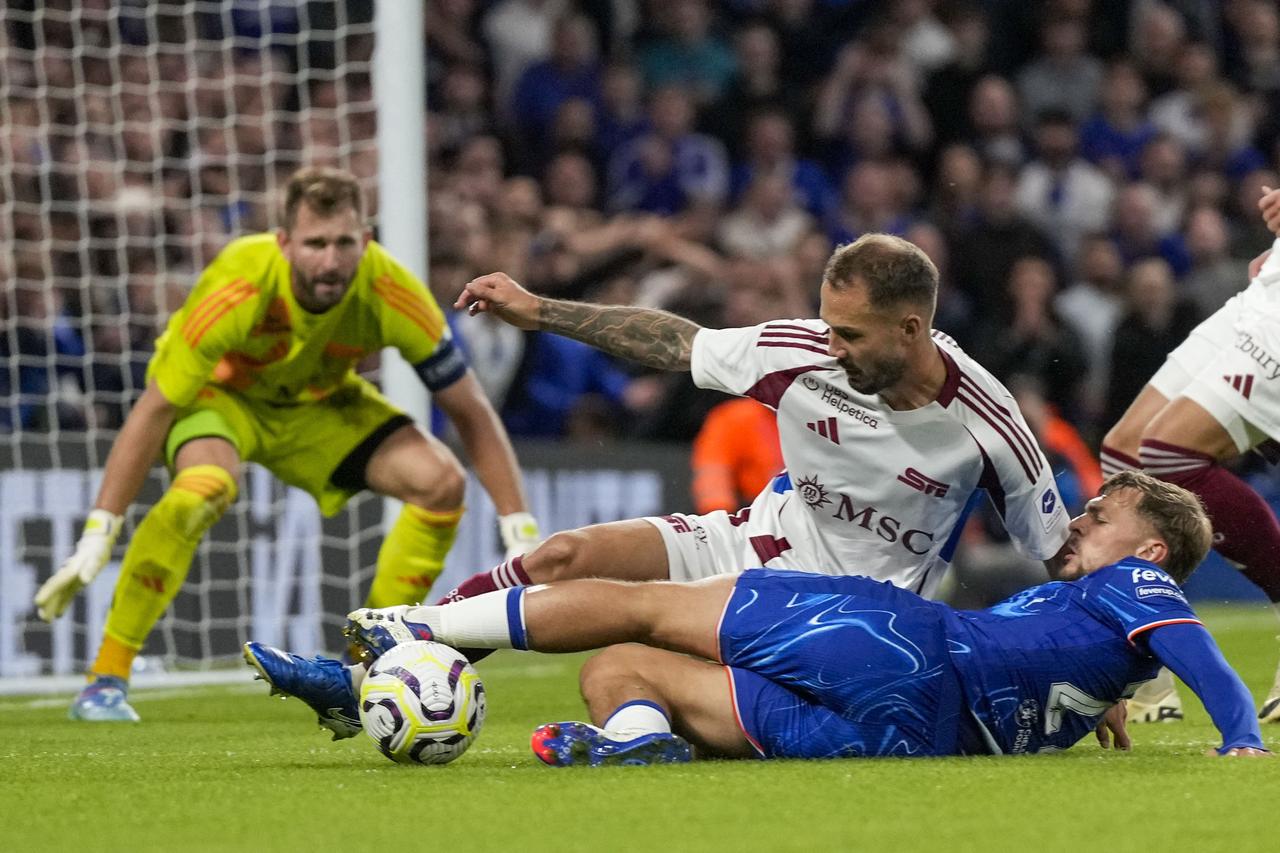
(137, 139)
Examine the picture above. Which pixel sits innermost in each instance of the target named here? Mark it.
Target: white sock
(494, 620)
(633, 719)
(357, 672)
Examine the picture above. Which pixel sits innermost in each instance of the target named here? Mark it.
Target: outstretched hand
(1113, 724)
(498, 294)
(1269, 204)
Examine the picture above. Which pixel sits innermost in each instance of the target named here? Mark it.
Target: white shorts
(1230, 366)
(703, 546)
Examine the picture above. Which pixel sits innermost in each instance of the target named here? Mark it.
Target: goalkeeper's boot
(376, 631)
(104, 700)
(1270, 712)
(581, 744)
(1157, 701)
(322, 683)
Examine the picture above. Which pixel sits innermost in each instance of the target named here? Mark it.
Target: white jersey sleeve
(1016, 474)
(737, 361)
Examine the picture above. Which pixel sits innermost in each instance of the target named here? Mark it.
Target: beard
(321, 293)
(872, 377)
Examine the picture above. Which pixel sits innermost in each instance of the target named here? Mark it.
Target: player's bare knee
(1124, 437)
(621, 666)
(559, 558)
(443, 489)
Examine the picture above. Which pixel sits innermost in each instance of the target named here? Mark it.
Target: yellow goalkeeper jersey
(242, 329)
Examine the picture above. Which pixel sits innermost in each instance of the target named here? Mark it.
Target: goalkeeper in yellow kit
(258, 365)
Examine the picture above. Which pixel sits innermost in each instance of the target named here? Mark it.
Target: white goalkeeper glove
(519, 533)
(91, 554)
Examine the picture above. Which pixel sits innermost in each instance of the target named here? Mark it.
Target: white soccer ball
(422, 703)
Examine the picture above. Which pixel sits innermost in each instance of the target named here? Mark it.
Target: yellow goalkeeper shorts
(302, 444)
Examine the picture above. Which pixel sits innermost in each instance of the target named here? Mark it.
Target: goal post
(399, 86)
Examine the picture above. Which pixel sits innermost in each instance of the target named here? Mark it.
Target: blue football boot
(581, 744)
(322, 683)
(104, 700)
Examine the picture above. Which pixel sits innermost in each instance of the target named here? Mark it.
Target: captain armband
(443, 367)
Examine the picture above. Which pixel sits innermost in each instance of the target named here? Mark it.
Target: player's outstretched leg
(326, 685)
(624, 550)
(155, 565)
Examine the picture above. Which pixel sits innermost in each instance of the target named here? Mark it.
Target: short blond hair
(1177, 516)
(323, 190)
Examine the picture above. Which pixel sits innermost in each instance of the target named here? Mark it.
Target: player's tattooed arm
(652, 338)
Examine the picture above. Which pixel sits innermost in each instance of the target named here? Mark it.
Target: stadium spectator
(1156, 321)
(1137, 234)
(517, 34)
(767, 222)
(996, 133)
(1256, 26)
(953, 82)
(1177, 112)
(1114, 137)
(1059, 190)
(757, 86)
(983, 251)
(1091, 306)
(735, 455)
(1063, 78)
(1214, 276)
(868, 204)
(1033, 342)
(954, 201)
(1164, 169)
(572, 72)
(873, 67)
(622, 114)
(688, 53)
(1156, 44)
(770, 150)
(670, 168)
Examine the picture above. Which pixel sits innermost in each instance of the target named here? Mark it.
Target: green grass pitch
(228, 769)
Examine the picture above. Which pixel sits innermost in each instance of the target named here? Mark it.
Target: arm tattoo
(650, 337)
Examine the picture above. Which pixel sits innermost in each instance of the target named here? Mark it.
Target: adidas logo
(826, 429)
(1242, 383)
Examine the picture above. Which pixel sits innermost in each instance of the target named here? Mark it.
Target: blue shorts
(828, 667)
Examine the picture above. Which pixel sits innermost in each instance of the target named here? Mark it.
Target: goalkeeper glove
(91, 554)
(519, 533)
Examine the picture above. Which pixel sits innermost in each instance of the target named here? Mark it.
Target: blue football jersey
(1040, 684)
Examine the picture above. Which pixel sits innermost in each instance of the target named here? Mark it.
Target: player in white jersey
(1216, 397)
(887, 431)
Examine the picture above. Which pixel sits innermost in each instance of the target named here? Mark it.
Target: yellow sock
(412, 555)
(157, 561)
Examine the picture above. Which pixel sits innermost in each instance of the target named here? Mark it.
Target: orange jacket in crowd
(735, 455)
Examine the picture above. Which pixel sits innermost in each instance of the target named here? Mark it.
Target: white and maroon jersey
(872, 491)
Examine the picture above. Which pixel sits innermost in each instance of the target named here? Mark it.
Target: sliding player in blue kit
(820, 666)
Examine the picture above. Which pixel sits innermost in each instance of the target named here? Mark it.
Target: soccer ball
(422, 703)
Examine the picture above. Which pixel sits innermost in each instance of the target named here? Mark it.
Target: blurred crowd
(1084, 175)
